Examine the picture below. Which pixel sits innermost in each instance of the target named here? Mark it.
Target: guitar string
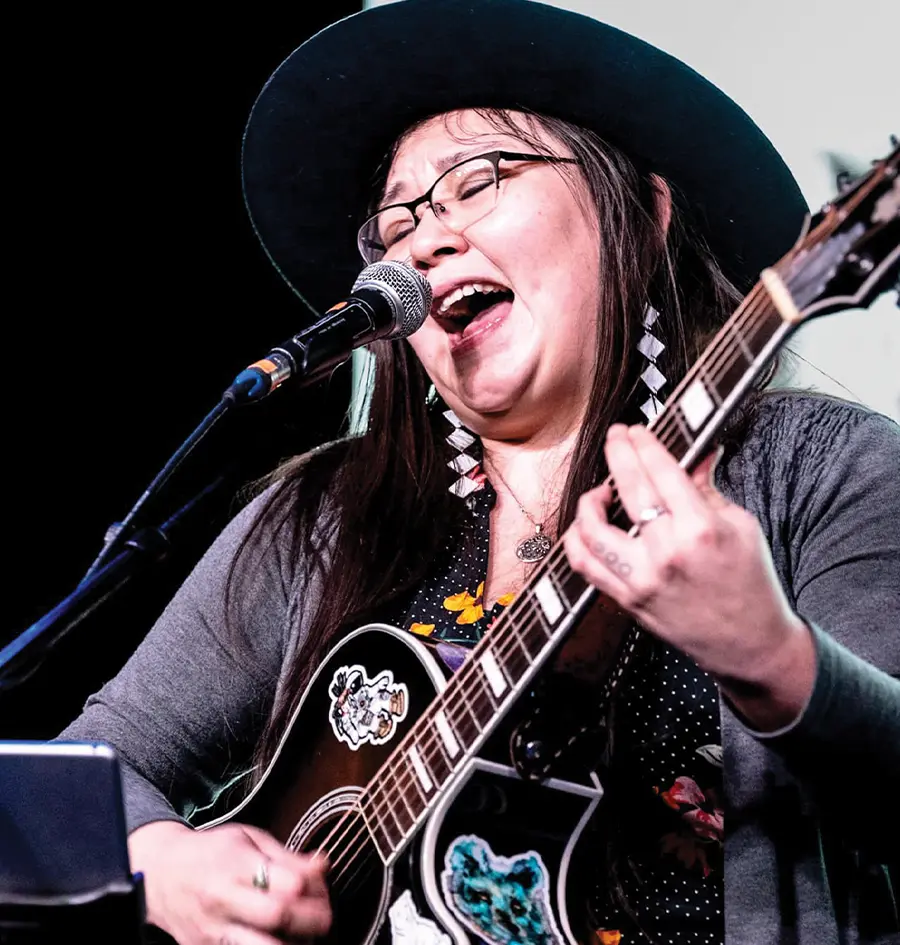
(398, 789)
(362, 859)
(669, 420)
(662, 426)
(748, 307)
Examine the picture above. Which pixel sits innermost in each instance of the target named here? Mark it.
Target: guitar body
(494, 860)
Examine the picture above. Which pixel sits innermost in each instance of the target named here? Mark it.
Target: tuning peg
(843, 181)
(845, 169)
(862, 263)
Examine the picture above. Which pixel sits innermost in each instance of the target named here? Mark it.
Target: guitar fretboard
(508, 657)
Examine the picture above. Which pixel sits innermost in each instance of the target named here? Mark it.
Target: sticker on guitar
(503, 900)
(409, 928)
(364, 710)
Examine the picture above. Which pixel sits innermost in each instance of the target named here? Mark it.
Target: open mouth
(470, 304)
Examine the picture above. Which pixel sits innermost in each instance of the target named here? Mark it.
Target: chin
(484, 410)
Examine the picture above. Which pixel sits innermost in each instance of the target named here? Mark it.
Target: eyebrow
(441, 165)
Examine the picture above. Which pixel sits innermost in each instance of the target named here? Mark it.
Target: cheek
(578, 248)
(519, 237)
(543, 243)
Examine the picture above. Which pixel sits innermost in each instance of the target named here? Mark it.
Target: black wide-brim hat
(330, 113)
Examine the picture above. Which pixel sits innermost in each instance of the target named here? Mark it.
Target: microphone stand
(117, 533)
(126, 549)
(21, 658)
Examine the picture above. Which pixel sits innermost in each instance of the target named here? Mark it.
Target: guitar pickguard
(496, 857)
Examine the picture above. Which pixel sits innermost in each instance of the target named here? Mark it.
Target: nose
(431, 240)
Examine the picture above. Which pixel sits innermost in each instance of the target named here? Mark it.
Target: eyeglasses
(460, 197)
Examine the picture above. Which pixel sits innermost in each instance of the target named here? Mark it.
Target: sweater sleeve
(838, 546)
(184, 712)
(846, 745)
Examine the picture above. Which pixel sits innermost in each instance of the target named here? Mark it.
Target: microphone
(389, 300)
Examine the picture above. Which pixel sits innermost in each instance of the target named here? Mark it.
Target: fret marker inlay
(696, 405)
(781, 296)
(443, 726)
(420, 769)
(549, 600)
(494, 675)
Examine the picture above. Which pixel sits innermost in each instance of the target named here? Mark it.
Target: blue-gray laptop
(62, 823)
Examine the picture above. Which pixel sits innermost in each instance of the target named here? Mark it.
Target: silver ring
(261, 876)
(648, 515)
(652, 512)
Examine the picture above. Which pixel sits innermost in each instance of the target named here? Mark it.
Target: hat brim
(330, 113)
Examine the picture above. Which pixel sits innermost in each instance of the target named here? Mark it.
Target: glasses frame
(494, 157)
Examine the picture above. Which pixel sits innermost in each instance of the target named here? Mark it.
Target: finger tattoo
(622, 568)
(611, 559)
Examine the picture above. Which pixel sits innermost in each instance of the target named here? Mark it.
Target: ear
(523, 875)
(470, 857)
(662, 198)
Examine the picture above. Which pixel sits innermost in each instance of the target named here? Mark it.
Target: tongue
(500, 307)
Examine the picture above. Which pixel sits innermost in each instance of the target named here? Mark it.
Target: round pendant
(534, 547)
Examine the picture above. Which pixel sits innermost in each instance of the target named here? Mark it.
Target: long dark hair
(372, 510)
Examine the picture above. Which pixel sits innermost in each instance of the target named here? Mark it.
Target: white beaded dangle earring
(651, 348)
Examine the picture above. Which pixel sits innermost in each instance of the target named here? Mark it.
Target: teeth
(468, 289)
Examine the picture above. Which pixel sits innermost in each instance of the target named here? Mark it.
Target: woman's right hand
(199, 885)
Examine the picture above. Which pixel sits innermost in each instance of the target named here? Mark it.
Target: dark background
(136, 292)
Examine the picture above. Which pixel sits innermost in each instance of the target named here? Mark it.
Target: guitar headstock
(849, 253)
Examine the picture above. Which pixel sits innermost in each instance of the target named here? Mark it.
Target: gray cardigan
(810, 811)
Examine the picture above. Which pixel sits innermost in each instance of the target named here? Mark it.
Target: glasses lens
(461, 197)
(465, 194)
(385, 235)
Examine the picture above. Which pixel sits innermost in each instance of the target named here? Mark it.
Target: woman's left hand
(698, 574)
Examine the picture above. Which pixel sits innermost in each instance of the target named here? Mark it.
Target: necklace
(534, 547)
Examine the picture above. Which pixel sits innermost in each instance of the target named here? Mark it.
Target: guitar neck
(509, 656)
(742, 350)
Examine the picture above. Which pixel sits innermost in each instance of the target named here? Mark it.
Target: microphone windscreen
(406, 290)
